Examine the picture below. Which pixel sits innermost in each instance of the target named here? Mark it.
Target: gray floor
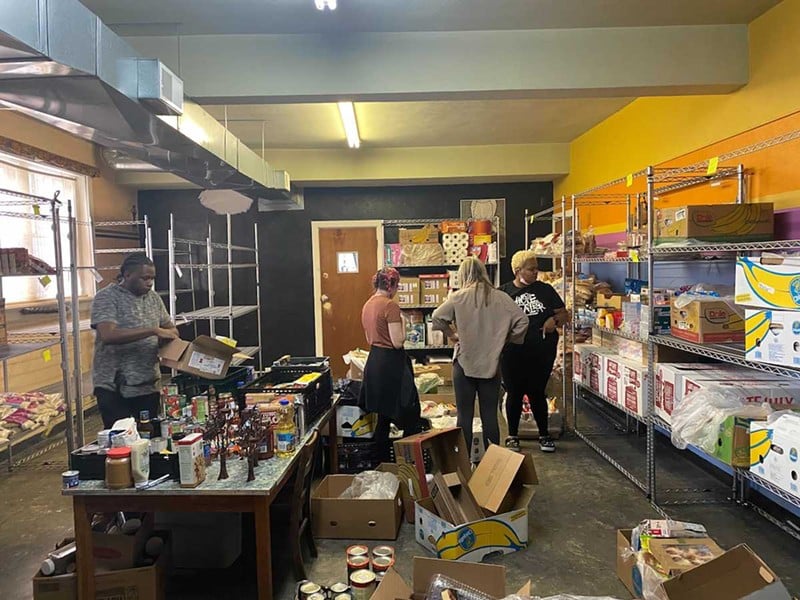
(578, 506)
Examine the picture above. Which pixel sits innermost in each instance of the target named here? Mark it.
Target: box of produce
(715, 223)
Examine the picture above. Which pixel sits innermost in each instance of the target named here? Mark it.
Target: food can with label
(343, 596)
(385, 551)
(363, 584)
(357, 563)
(317, 596)
(339, 588)
(381, 564)
(308, 589)
(70, 479)
(357, 550)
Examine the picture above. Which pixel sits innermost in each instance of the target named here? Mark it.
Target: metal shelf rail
(28, 206)
(213, 312)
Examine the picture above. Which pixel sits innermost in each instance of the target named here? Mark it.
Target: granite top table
(234, 494)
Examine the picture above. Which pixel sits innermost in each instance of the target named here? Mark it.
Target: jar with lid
(118, 468)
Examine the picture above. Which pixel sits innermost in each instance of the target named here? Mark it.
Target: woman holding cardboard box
(482, 320)
(388, 388)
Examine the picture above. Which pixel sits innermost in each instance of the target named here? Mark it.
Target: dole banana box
(707, 320)
(772, 337)
(769, 281)
(774, 452)
(502, 486)
(715, 223)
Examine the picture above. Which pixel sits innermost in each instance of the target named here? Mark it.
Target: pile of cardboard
(672, 560)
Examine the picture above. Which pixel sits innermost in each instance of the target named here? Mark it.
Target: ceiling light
(348, 114)
(323, 4)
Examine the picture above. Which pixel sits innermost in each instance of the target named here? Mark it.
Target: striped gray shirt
(131, 369)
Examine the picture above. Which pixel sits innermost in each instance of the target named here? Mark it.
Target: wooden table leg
(85, 555)
(333, 444)
(263, 548)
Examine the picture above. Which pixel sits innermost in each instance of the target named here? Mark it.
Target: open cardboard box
(489, 579)
(502, 485)
(346, 518)
(738, 574)
(448, 453)
(204, 357)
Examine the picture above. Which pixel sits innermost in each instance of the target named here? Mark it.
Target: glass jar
(118, 469)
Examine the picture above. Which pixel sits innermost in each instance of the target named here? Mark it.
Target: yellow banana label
(488, 534)
(760, 445)
(771, 288)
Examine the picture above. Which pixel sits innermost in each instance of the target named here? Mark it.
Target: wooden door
(347, 262)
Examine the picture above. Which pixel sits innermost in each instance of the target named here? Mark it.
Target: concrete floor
(580, 503)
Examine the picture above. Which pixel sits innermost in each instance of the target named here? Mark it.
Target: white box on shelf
(773, 452)
(669, 385)
(772, 282)
(612, 379)
(634, 380)
(580, 362)
(773, 337)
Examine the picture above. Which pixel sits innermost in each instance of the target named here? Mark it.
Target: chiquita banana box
(715, 223)
(774, 452)
(773, 337)
(502, 486)
(769, 281)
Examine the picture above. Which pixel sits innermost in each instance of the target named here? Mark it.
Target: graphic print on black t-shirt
(539, 301)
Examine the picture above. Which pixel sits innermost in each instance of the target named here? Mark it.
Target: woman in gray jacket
(482, 320)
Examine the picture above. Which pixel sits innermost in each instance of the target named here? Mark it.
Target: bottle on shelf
(285, 432)
(60, 561)
(212, 399)
(145, 426)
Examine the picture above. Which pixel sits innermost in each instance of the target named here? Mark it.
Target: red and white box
(612, 379)
(634, 380)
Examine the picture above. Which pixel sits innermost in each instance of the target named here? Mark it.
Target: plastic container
(118, 469)
(140, 461)
(58, 562)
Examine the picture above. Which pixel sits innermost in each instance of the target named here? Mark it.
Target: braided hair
(132, 262)
(386, 279)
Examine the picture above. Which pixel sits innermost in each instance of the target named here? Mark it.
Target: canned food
(339, 588)
(357, 550)
(343, 596)
(70, 479)
(104, 438)
(383, 551)
(317, 596)
(357, 563)
(308, 589)
(363, 584)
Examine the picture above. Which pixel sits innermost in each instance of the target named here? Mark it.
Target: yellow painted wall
(652, 131)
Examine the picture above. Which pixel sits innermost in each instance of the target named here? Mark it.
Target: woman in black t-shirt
(526, 368)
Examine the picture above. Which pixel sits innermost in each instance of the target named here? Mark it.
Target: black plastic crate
(317, 396)
(192, 385)
(93, 466)
(311, 362)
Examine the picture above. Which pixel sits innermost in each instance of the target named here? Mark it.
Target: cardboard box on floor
(737, 574)
(114, 552)
(345, 518)
(502, 486)
(489, 579)
(447, 450)
(143, 583)
(626, 561)
(204, 356)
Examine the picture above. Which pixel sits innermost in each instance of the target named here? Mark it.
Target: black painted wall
(285, 244)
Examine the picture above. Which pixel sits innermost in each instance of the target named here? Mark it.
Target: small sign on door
(347, 262)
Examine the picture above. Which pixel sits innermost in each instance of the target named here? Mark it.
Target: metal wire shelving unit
(214, 313)
(18, 205)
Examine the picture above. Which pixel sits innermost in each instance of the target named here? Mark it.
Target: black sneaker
(546, 444)
(512, 443)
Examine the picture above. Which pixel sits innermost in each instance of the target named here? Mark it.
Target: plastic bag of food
(696, 420)
(372, 485)
(427, 382)
(357, 357)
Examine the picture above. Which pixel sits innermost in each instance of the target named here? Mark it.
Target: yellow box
(768, 282)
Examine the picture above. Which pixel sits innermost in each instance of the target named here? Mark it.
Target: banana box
(502, 485)
(715, 223)
(769, 281)
(774, 452)
(772, 337)
(352, 422)
(707, 320)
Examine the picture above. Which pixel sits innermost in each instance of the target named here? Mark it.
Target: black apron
(388, 388)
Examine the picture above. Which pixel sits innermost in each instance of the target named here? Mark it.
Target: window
(36, 236)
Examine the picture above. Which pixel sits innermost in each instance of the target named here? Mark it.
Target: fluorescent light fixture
(348, 114)
(323, 4)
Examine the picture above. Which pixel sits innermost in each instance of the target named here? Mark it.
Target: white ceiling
(188, 17)
(418, 124)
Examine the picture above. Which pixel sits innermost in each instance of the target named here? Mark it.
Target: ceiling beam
(632, 61)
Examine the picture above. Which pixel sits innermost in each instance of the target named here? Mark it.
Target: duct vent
(159, 88)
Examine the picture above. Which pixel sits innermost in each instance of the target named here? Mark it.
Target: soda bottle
(285, 432)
